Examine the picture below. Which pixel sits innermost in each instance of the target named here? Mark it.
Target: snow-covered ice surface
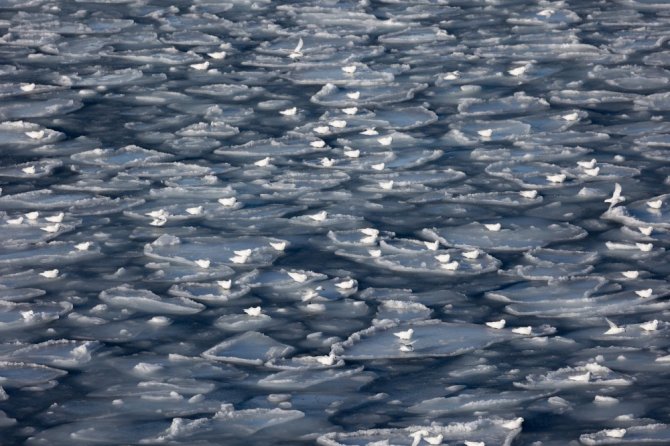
(337, 222)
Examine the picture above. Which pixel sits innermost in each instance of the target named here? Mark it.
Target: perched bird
(297, 51)
(298, 277)
(498, 325)
(404, 335)
(253, 311)
(614, 328)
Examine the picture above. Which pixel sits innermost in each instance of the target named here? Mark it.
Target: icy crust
(432, 338)
(641, 213)
(482, 431)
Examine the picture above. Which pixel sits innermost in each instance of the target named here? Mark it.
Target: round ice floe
(650, 433)
(332, 96)
(22, 375)
(291, 380)
(59, 353)
(528, 152)
(534, 175)
(451, 262)
(359, 76)
(653, 211)
(240, 251)
(25, 134)
(15, 316)
(514, 235)
(127, 156)
(146, 301)
(589, 375)
(466, 133)
(217, 293)
(484, 431)
(430, 338)
(251, 347)
(37, 169)
(576, 288)
(476, 400)
(78, 204)
(506, 199)
(293, 146)
(518, 104)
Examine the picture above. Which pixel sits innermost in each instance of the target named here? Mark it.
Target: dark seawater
(334, 222)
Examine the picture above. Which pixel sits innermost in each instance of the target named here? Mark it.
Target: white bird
(319, 216)
(376, 253)
(451, 266)
(518, 71)
(327, 162)
(228, 202)
(471, 254)
(546, 12)
(239, 259)
(473, 443)
(443, 258)
(655, 204)
(50, 274)
(197, 210)
(32, 215)
(452, 75)
(378, 167)
(354, 95)
(645, 247)
(592, 172)
(649, 326)
(203, 263)
(571, 116)
(349, 69)
(350, 110)
(523, 330)
(370, 132)
(298, 277)
(225, 284)
(586, 377)
(279, 246)
(486, 133)
(51, 228)
(83, 246)
(325, 359)
(386, 185)
(587, 164)
(404, 335)
(616, 197)
(55, 218)
(338, 123)
(243, 252)
(253, 311)
(200, 66)
(417, 436)
(372, 232)
(615, 433)
(432, 245)
(513, 424)
(347, 285)
(614, 328)
(437, 439)
(369, 239)
(264, 162)
(352, 153)
(289, 111)
(493, 227)
(385, 140)
(528, 194)
(15, 221)
(157, 214)
(30, 170)
(630, 274)
(647, 230)
(322, 130)
(297, 51)
(37, 134)
(319, 143)
(645, 293)
(498, 325)
(218, 55)
(159, 221)
(27, 87)
(557, 178)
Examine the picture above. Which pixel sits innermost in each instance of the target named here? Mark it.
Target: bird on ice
(650, 326)
(614, 328)
(646, 230)
(404, 335)
(30, 170)
(655, 204)
(498, 325)
(349, 69)
(630, 274)
(523, 330)
(645, 293)
(228, 202)
(225, 284)
(616, 197)
(432, 245)
(298, 277)
(197, 210)
(493, 227)
(253, 311)
(528, 194)
(278, 246)
(472, 255)
(319, 216)
(297, 51)
(451, 266)
(203, 263)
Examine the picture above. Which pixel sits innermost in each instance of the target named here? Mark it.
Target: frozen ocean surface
(334, 222)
